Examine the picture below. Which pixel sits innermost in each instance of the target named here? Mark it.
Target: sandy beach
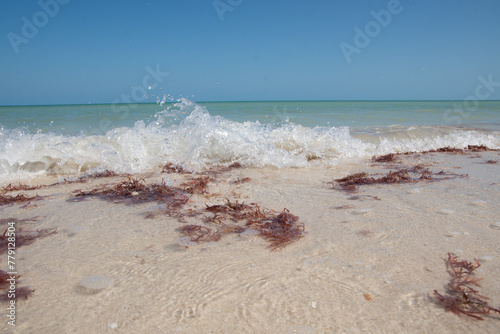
(260, 167)
(368, 261)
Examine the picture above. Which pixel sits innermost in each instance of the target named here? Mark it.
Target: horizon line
(237, 101)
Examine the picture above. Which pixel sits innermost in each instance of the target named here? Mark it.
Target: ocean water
(132, 138)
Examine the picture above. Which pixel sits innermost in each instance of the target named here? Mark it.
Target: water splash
(186, 133)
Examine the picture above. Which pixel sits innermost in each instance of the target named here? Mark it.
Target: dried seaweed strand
(415, 174)
(24, 238)
(6, 280)
(279, 230)
(462, 299)
(19, 198)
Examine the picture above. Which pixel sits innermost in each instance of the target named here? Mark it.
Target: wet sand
(369, 262)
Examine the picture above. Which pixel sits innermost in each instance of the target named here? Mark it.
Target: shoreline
(369, 261)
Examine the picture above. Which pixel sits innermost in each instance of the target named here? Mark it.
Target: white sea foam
(197, 140)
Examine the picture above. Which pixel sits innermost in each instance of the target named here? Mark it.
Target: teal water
(73, 139)
(95, 119)
(360, 114)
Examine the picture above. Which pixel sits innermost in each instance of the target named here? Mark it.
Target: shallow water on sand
(369, 261)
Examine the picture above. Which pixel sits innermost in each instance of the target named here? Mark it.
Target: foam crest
(187, 134)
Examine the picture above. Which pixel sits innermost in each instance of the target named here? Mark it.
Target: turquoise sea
(88, 118)
(72, 139)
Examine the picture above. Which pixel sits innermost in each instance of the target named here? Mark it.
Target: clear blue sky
(96, 51)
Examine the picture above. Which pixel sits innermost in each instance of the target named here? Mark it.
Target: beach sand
(369, 261)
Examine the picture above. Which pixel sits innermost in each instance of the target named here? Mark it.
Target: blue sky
(108, 51)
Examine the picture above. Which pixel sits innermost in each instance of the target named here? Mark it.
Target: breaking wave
(188, 135)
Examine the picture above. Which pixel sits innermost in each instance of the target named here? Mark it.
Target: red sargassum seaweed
(461, 298)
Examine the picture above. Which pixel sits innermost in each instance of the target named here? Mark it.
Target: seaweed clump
(7, 282)
(197, 185)
(24, 238)
(385, 158)
(19, 187)
(279, 230)
(200, 233)
(469, 148)
(350, 182)
(462, 299)
(19, 198)
(21, 238)
(447, 149)
(478, 148)
(415, 174)
(136, 191)
(242, 180)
